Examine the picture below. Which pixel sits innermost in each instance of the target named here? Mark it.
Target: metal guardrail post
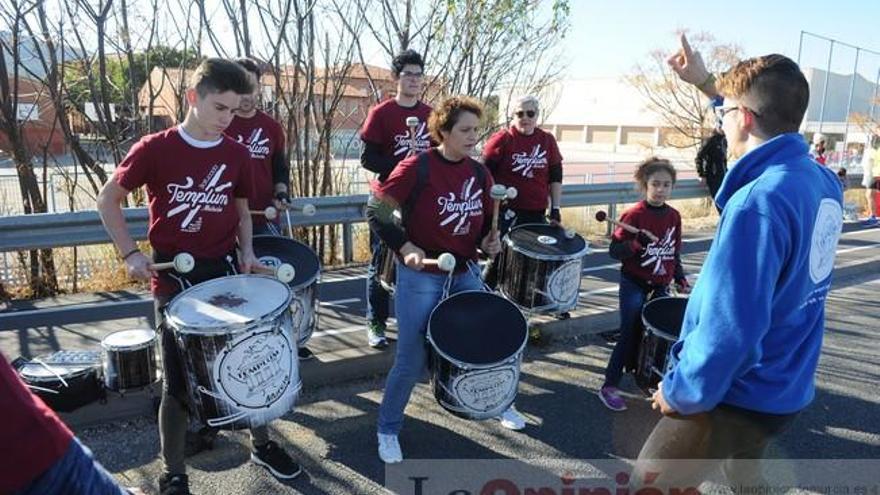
(347, 243)
(612, 213)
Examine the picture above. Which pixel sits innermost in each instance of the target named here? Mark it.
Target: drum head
(545, 241)
(213, 306)
(664, 316)
(477, 328)
(273, 250)
(129, 339)
(36, 372)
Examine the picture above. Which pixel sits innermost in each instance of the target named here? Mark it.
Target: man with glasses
(744, 364)
(388, 138)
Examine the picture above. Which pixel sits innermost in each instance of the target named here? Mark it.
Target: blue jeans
(378, 299)
(416, 296)
(76, 472)
(631, 298)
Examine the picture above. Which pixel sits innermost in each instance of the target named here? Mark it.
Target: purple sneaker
(610, 396)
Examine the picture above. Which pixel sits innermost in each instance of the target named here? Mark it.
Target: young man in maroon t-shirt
(388, 140)
(264, 139)
(197, 183)
(40, 454)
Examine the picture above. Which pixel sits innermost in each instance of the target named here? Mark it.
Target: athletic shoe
(610, 396)
(305, 354)
(512, 419)
(376, 336)
(174, 484)
(389, 449)
(870, 222)
(276, 460)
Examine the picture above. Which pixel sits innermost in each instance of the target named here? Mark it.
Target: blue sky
(608, 37)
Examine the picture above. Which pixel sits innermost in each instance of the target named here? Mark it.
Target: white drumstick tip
(285, 273)
(412, 121)
(569, 233)
(309, 210)
(270, 212)
(512, 192)
(498, 192)
(446, 262)
(184, 263)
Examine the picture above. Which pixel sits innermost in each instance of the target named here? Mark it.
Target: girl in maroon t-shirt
(444, 195)
(648, 265)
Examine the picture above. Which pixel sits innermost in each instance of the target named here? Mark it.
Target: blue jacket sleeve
(734, 298)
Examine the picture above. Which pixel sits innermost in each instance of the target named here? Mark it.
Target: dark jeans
(508, 219)
(631, 297)
(75, 472)
(378, 299)
(683, 450)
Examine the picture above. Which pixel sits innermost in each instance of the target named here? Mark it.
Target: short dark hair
(219, 75)
(445, 116)
(775, 85)
(651, 166)
(406, 57)
(251, 66)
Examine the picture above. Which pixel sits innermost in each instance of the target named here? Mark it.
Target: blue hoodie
(753, 327)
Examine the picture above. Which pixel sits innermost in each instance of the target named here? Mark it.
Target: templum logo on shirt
(525, 163)
(460, 209)
(404, 142)
(661, 250)
(209, 195)
(256, 144)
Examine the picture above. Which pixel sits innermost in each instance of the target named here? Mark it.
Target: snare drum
(386, 274)
(129, 359)
(63, 387)
(476, 346)
(540, 268)
(662, 318)
(236, 340)
(273, 251)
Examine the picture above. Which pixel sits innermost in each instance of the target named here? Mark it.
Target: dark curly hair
(406, 57)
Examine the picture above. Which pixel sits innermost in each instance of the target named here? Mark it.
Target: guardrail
(50, 230)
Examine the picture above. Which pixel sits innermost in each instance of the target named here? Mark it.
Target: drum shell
(240, 375)
(542, 282)
(274, 250)
(481, 390)
(130, 369)
(83, 387)
(657, 339)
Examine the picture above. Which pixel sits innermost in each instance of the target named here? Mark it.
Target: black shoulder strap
(421, 180)
(480, 174)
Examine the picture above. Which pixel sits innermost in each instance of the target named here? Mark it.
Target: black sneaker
(305, 354)
(276, 460)
(610, 337)
(174, 484)
(563, 316)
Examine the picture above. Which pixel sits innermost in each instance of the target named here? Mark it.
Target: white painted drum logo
(547, 240)
(254, 371)
(826, 233)
(564, 283)
(484, 391)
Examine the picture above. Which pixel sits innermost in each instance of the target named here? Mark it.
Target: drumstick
(308, 210)
(270, 212)
(498, 194)
(283, 272)
(445, 262)
(182, 263)
(413, 124)
(603, 217)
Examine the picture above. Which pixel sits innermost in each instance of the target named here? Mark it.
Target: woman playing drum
(444, 197)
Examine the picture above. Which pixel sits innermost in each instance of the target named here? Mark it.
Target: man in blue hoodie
(745, 362)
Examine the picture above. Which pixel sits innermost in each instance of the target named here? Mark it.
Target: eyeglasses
(414, 75)
(721, 111)
(525, 113)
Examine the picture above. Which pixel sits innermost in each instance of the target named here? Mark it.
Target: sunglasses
(525, 113)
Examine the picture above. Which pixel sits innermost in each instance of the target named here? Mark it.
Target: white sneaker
(512, 419)
(389, 449)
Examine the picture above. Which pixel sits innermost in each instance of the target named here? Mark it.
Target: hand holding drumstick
(603, 217)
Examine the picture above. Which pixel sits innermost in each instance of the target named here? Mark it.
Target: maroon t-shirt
(524, 162)
(386, 126)
(264, 138)
(654, 263)
(191, 192)
(449, 213)
(32, 438)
